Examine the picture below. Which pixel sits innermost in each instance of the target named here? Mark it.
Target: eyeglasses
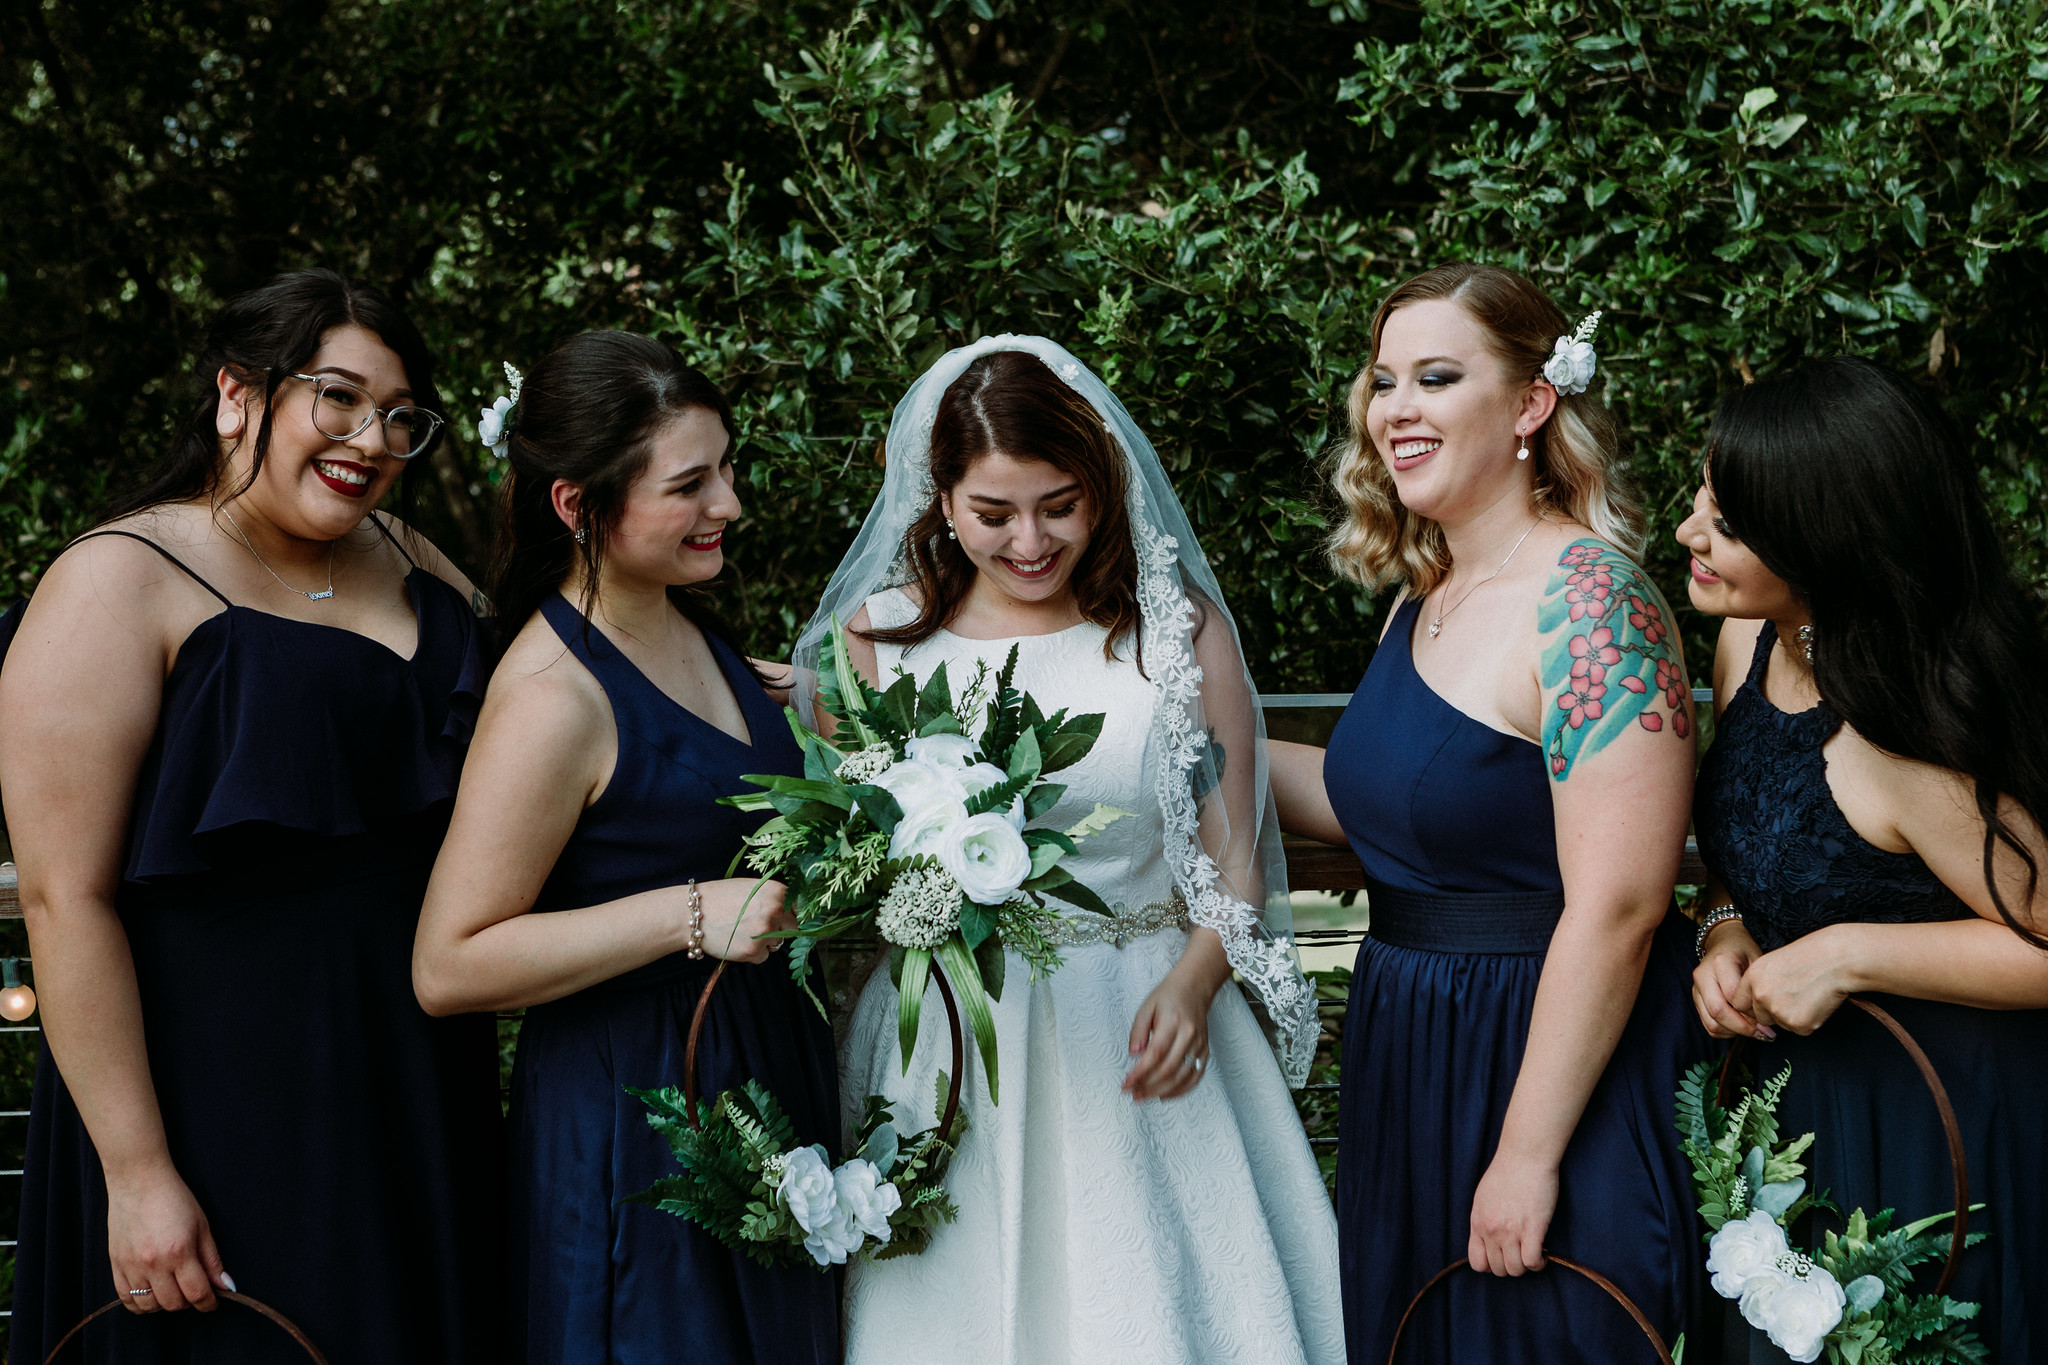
(342, 411)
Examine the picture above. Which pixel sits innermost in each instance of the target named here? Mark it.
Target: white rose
(1571, 365)
(922, 830)
(942, 751)
(490, 424)
(981, 777)
(1744, 1248)
(807, 1188)
(931, 799)
(986, 856)
(867, 1198)
(835, 1240)
(1797, 1314)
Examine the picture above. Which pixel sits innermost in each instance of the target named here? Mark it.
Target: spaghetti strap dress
(602, 1282)
(1770, 829)
(1452, 821)
(345, 1147)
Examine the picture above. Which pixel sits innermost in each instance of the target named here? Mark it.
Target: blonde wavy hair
(1577, 463)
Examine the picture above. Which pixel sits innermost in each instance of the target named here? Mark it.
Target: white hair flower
(494, 425)
(1573, 361)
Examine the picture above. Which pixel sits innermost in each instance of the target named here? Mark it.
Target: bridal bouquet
(905, 827)
(917, 832)
(1849, 1299)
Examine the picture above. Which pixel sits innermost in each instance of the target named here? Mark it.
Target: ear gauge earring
(1805, 634)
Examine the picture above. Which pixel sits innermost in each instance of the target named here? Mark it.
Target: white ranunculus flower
(1571, 365)
(835, 1240)
(1795, 1313)
(1743, 1248)
(986, 856)
(807, 1188)
(981, 777)
(867, 1198)
(490, 425)
(921, 831)
(943, 751)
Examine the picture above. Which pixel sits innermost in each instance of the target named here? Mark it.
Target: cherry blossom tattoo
(1610, 662)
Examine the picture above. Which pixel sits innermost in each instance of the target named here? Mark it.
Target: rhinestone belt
(1077, 927)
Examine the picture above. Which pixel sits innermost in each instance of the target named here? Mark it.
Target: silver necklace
(1438, 624)
(250, 546)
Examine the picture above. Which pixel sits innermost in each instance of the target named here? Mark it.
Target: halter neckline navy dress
(345, 1148)
(1452, 821)
(606, 1283)
(1770, 829)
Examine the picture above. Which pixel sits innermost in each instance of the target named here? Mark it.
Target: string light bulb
(17, 998)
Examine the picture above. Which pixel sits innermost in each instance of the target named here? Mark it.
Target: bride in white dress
(1143, 1192)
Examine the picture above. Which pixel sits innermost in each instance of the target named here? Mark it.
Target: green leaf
(935, 699)
(973, 997)
(977, 923)
(1042, 798)
(879, 805)
(1024, 760)
(801, 789)
(989, 958)
(900, 704)
(910, 982)
(1758, 100)
(1095, 821)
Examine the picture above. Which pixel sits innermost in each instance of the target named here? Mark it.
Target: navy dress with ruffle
(345, 1148)
(1452, 820)
(1770, 829)
(598, 1281)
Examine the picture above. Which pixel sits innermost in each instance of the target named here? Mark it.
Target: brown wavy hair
(1010, 402)
(1576, 452)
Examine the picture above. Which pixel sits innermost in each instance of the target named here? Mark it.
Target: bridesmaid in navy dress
(585, 873)
(1878, 680)
(231, 726)
(1514, 773)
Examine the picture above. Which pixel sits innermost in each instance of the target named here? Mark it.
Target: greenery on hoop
(1850, 1298)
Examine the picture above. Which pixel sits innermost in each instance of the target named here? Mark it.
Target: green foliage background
(1203, 198)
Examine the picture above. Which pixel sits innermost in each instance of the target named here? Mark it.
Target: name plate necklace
(1438, 624)
(250, 546)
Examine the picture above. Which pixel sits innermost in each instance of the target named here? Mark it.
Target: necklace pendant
(319, 596)
(1436, 627)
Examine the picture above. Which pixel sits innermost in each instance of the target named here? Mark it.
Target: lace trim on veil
(1262, 961)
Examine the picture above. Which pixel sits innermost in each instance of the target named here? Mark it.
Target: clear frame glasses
(342, 411)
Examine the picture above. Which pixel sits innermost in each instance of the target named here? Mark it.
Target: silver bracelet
(1720, 914)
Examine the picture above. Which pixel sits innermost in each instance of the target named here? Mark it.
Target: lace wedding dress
(1093, 1228)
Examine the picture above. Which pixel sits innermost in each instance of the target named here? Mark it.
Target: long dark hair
(1009, 401)
(263, 336)
(587, 413)
(1855, 489)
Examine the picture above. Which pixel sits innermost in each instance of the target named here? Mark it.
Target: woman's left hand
(1511, 1212)
(1170, 1038)
(1800, 985)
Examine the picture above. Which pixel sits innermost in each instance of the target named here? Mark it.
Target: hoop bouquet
(907, 827)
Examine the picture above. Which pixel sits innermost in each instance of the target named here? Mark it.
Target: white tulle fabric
(1093, 1228)
(1219, 827)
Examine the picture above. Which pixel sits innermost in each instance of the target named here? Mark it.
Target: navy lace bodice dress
(605, 1283)
(1770, 829)
(346, 1148)
(1452, 820)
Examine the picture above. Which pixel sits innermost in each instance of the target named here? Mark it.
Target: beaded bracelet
(1720, 914)
(696, 948)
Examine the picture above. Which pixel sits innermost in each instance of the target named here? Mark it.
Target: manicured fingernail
(229, 1281)
(1766, 1032)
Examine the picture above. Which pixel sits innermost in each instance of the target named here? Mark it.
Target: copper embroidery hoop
(291, 1329)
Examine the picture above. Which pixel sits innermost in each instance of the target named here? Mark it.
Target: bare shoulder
(860, 648)
(1609, 660)
(541, 690)
(429, 557)
(119, 586)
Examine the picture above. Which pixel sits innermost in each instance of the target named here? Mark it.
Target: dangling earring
(1805, 634)
(1523, 453)
(951, 533)
(581, 535)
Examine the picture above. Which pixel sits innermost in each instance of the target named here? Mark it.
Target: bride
(1144, 1192)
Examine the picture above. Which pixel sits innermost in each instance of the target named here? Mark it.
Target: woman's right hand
(1729, 951)
(158, 1239)
(737, 911)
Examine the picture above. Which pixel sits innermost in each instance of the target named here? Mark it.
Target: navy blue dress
(606, 1283)
(1452, 820)
(346, 1149)
(1769, 828)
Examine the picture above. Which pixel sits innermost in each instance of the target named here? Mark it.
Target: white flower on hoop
(1573, 361)
(1796, 1304)
(494, 424)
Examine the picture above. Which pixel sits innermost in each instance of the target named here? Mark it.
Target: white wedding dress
(1093, 1228)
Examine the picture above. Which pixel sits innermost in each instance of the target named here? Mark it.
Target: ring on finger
(137, 1293)
(1193, 1063)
